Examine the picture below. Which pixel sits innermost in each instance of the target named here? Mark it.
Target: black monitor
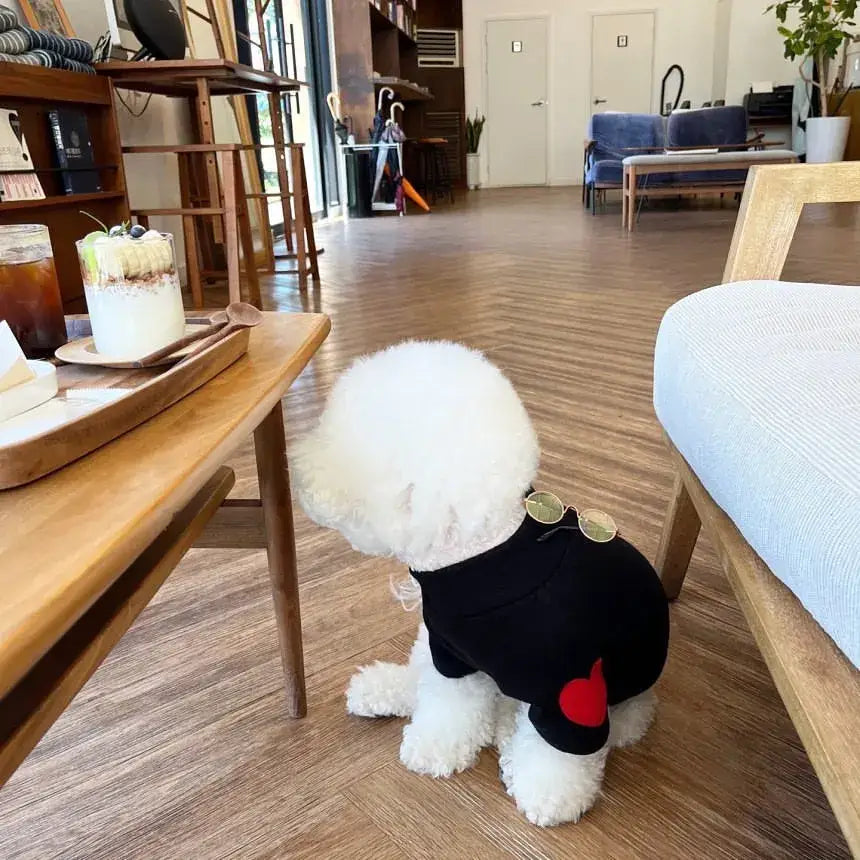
(158, 27)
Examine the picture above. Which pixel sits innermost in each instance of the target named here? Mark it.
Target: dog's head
(423, 450)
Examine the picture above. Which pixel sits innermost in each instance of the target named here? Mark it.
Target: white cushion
(758, 386)
(690, 159)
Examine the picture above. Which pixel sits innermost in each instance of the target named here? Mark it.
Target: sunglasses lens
(597, 526)
(546, 508)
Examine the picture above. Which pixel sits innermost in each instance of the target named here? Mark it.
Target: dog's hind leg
(388, 689)
(550, 786)
(629, 720)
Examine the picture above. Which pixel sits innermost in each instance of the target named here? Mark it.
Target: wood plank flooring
(178, 748)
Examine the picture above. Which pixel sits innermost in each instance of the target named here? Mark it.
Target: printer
(774, 106)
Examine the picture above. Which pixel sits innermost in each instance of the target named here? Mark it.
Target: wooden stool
(295, 204)
(231, 214)
(298, 219)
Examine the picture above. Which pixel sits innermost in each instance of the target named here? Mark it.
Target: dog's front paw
(382, 690)
(433, 751)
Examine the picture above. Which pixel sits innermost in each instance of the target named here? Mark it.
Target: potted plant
(823, 26)
(474, 130)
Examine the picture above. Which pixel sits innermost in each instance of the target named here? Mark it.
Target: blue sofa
(613, 137)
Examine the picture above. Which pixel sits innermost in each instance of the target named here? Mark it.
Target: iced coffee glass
(29, 292)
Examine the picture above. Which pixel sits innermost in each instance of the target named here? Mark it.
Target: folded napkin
(8, 19)
(72, 49)
(49, 60)
(14, 41)
(27, 59)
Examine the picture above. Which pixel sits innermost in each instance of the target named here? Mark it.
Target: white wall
(755, 50)
(722, 42)
(684, 34)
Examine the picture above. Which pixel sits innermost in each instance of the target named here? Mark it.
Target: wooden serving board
(95, 405)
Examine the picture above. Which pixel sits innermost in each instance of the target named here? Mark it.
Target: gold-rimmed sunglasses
(548, 509)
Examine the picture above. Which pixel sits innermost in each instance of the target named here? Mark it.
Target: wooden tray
(95, 405)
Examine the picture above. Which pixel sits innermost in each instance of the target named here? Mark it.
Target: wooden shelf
(61, 200)
(403, 90)
(32, 91)
(378, 21)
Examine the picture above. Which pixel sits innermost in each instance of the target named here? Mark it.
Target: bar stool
(231, 213)
(435, 172)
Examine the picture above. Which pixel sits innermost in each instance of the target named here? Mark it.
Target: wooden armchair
(818, 684)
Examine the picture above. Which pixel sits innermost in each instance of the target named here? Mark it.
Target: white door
(517, 102)
(622, 62)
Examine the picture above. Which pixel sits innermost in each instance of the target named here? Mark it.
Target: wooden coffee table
(82, 551)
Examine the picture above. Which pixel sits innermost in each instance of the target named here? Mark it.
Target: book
(74, 151)
(18, 180)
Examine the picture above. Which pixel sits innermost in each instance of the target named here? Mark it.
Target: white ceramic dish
(28, 395)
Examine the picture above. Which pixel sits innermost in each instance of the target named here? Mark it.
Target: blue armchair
(612, 137)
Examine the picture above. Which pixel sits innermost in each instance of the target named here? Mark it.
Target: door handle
(540, 103)
(600, 101)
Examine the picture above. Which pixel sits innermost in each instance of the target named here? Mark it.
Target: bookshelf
(375, 45)
(33, 91)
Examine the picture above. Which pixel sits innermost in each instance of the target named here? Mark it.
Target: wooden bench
(638, 166)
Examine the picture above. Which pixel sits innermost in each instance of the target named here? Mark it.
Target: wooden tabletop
(179, 77)
(66, 538)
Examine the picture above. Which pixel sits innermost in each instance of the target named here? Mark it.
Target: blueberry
(137, 231)
(119, 230)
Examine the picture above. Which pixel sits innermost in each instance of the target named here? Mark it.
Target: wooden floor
(178, 747)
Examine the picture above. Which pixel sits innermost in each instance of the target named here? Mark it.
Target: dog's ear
(316, 474)
(404, 500)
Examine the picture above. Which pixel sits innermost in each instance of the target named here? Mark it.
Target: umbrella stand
(389, 165)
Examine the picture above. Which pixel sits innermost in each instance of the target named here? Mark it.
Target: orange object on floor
(413, 195)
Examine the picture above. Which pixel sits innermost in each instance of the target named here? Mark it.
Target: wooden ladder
(295, 202)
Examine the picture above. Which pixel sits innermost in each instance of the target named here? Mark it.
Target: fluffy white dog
(538, 641)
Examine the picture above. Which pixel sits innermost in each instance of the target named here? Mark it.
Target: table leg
(624, 198)
(632, 185)
(271, 450)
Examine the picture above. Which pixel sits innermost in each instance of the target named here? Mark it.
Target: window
(296, 36)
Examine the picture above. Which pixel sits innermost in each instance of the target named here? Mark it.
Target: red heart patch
(583, 700)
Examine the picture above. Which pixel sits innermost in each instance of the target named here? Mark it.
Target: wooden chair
(818, 684)
(231, 211)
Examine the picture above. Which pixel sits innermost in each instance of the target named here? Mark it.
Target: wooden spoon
(241, 315)
(219, 320)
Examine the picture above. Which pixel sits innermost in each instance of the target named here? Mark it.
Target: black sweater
(566, 624)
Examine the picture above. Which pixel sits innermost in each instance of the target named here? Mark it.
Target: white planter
(826, 138)
(473, 170)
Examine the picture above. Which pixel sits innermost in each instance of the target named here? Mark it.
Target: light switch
(517, 47)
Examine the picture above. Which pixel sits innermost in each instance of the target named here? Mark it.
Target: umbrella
(335, 107)
(379, 119)
(388, 156)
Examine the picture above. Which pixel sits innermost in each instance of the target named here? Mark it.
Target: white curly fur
(423, 453)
